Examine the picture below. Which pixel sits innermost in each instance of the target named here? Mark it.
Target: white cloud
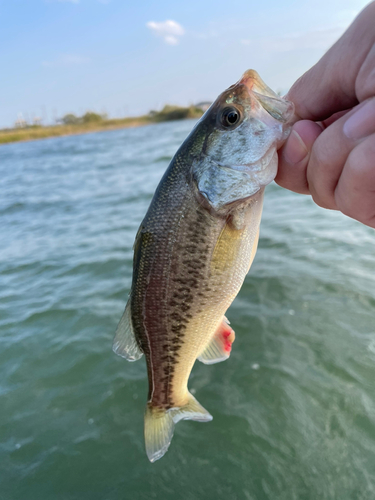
(171, 40)
(169, 30)
(66, 60)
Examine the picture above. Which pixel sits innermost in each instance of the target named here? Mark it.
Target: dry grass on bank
(81, 127)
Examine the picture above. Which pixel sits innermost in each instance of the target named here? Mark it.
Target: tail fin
(159, 425)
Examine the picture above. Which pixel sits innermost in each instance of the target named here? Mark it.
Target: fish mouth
(279, 108)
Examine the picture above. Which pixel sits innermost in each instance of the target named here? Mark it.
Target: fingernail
(362, 122)
(295, 150)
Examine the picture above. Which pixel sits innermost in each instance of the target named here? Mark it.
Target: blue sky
(123, 57)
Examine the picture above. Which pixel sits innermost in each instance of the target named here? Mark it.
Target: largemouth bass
(195, 247)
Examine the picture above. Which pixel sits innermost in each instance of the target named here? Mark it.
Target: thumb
(295, 154)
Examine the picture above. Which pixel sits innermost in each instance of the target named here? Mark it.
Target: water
(294, 406)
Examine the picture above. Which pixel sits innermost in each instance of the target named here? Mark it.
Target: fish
(195, 246)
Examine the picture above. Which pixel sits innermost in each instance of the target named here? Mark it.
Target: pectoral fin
(125, 343)
(220, 346)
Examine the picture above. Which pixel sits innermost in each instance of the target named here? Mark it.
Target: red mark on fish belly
(228, 336)
(227, 346)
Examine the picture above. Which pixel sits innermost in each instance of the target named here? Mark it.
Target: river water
(293, 407)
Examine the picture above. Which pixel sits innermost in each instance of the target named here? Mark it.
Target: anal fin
(220, 346)
(125, 343)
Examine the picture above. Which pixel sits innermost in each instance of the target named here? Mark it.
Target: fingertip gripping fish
(195, 247)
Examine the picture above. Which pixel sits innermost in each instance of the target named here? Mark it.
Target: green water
(293, 407)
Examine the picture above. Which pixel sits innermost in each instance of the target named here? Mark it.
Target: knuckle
(319, 160)
(323, 201)
(323, 197)
(357, 203)
(366, 217)
(323, 171)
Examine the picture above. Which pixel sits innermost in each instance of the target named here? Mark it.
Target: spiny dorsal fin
(125, 343)
(219, 347)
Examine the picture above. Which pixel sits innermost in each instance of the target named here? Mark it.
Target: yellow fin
(226, 249)
(159, 425)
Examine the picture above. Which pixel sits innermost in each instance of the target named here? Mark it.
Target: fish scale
(195, 247)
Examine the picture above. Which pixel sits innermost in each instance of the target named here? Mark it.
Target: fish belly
(230, 262)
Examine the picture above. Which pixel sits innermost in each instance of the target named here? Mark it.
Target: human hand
(330, 152)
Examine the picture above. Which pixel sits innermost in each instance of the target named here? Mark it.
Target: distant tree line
(90, 121)
(175, 113)
(88, 117)
(168, 113)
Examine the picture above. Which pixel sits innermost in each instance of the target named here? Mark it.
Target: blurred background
(122, 85)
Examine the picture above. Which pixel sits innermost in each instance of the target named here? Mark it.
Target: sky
(127, 57)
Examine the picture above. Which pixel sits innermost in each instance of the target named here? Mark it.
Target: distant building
(204, 105)
(37, 120)
(20, 122)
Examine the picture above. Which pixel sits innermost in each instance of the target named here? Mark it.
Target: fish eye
(230, 117)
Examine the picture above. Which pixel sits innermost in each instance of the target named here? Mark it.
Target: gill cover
(239, 159)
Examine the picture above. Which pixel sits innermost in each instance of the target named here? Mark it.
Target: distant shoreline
(32, 133)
